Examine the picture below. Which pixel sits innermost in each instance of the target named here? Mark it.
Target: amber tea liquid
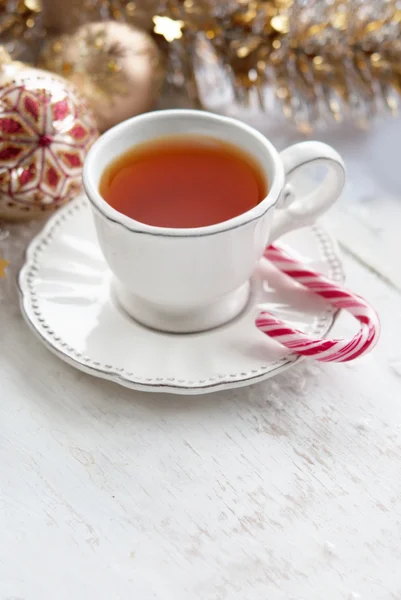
(183, 182)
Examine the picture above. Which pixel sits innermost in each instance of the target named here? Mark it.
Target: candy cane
(338, 350)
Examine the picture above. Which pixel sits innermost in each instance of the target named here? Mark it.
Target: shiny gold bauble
(117, 67)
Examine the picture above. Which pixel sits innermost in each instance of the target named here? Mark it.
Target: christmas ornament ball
(117, 67)
(46, 129)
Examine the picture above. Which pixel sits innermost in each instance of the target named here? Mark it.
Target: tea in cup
(184, 204)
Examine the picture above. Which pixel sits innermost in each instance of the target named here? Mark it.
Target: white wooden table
(287, 490)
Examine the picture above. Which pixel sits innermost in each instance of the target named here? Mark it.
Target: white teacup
(185, 280)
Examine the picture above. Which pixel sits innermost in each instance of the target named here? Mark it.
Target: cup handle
(293, 210)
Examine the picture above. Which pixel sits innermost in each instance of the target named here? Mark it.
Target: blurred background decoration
(291, 68)
(321, 61)
(21, 27)
(116, 66)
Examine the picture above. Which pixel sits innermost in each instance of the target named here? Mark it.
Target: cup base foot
(157, 317)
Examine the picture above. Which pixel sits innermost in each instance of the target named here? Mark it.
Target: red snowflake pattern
(46, 130)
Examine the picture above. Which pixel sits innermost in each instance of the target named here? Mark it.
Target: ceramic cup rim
(105, 141)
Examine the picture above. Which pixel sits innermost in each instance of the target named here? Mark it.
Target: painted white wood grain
(367, 219)
(289, 489)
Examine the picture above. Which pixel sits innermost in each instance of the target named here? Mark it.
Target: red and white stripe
(338, 350)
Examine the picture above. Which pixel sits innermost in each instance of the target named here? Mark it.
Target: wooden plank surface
(289, 489)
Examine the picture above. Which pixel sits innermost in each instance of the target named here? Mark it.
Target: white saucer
(66, 298)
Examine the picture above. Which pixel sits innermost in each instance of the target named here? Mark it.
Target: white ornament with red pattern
(46, 130)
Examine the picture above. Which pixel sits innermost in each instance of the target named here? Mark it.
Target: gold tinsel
(325, 58)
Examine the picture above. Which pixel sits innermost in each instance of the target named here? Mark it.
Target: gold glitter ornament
(117, 67)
